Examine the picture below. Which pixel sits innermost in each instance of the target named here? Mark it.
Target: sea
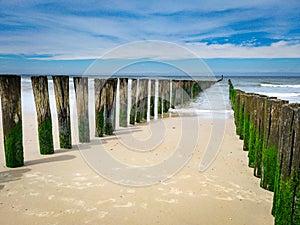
(215, 99)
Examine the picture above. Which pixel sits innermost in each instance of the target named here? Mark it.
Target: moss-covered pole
(149, 101)
(166, 95)
(196, 88)
(286, 205)
(110, 89)
(160, 99)
(42, 105)
(156, 99)
(10, 91)
(171, 94)
(152, 98)
(252, 132)
(247, 112)
(186, 94)
(272, 111)
(259, 125)
(133, 97)
(174, 92)
(82, 100)
(61, 90)
(141, 113)
(178, 93)
(100, 101)
(236, 110)
(123, 101)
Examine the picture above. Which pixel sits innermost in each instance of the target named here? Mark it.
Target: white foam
(281, 85)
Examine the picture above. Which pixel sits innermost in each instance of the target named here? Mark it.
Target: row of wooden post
(270, 128)
(142, 96)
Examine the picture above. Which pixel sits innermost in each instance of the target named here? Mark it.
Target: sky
(66, 37)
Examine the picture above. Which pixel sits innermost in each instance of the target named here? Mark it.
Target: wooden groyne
(139, 100)
(270, 128)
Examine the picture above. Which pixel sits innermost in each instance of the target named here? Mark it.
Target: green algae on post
(42, 104)
(10, 91)
(61, 90)
(81, 92)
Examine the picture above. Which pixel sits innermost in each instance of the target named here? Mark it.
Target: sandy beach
(63, 189)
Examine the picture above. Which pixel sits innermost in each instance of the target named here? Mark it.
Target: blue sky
(48, 36)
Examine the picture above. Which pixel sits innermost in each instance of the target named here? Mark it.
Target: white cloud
(281, 49)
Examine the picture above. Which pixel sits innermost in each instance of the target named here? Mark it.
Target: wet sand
(63, 189)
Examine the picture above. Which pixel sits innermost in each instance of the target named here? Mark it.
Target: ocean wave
(280, 95)
(281, 85)
(199, 111)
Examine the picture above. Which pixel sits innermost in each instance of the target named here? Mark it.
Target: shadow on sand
(11, 175)
(49, 159)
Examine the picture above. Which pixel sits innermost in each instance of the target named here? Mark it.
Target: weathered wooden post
(247, 112)
(10, 91)
(61, 90)
(149, 100)
(177, 93)
(196, 88)
(180, 92)
(236, 110)
(100, 101)
(152, 98)
(160, 100)
(272, 111)
(252, 131)
(241, 114)
(110, 88)
(82, 100)
(141, 113)
(186, 94)
(259, 124)
(166, 95)
(123, 101)
(286, 205)
(156, 98)
(133, 101)
(42, 105)
(171, 94)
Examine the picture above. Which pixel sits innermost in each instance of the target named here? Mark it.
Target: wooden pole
(42, 105)
(61, 90)
(272, 111)
(100, 101)
(10, 91)
(152, 98)
(141, 114)
(110, 88)
(82, 100)
(133, 101)
(123, 101)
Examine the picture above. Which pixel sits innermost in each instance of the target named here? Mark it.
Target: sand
(63, 189)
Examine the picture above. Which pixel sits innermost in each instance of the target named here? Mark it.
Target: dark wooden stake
(100, 99)
(42, 104)
(10, 91)
(61, 89)
(82, 100)
(123, 101)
